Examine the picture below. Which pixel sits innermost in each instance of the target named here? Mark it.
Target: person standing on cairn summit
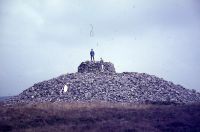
(92, 55)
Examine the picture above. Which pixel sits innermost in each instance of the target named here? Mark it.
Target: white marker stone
(102, 68)
(65, 88)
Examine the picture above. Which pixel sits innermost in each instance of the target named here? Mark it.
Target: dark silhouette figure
(92, 55)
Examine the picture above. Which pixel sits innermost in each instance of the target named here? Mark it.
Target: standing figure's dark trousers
(92, 58)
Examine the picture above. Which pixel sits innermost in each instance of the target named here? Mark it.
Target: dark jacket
(92, 53)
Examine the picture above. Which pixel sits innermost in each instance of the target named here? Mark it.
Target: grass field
(96, 116)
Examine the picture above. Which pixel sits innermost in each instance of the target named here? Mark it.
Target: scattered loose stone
(91, 83)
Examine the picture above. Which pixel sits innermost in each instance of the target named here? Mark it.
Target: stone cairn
(97, 81)
(96, 67)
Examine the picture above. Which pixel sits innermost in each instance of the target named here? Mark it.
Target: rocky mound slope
(94, 82)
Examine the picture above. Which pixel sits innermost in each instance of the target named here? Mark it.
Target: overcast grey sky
(41, 39)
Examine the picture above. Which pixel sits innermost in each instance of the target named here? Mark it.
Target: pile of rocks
(95, 67)
(93, 84)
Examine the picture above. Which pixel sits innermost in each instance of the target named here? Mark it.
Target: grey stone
(95, 67)
(92, 84)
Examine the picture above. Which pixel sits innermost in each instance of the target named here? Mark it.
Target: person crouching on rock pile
(92, 55)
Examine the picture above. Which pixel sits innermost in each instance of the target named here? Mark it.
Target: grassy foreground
(55, 117)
